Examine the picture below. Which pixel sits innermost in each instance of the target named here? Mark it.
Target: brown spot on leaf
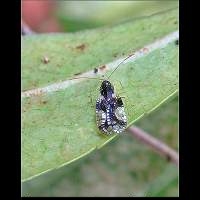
(102, 68)
(81, 47)
(45, 59)
(145, 50)
(44, 102)
(76, 74)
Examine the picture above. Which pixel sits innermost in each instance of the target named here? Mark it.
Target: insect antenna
(102, 79)
(86, 78)
(119, 65)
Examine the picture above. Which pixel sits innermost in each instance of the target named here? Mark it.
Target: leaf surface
(60, 127)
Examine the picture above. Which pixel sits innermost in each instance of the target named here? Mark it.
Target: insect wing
(120, 117)
(110, 117)
(101, 117)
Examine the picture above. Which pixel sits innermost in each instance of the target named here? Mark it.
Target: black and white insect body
(110, 114)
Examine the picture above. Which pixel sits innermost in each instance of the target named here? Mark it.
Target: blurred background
(124, 167)
(70, 16)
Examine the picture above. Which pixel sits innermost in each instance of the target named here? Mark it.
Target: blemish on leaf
(145, 50)
(81, 47)
(95, 70)
(44, 102)
(45, 59)
(102, 68)
(177, 42)
(115, 55)
(76, 74)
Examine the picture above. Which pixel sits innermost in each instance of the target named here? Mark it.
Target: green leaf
(139, 177)
(60, 127)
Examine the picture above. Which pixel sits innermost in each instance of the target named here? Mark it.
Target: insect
(110, 113)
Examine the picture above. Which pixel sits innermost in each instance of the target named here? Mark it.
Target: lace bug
(110, 113)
